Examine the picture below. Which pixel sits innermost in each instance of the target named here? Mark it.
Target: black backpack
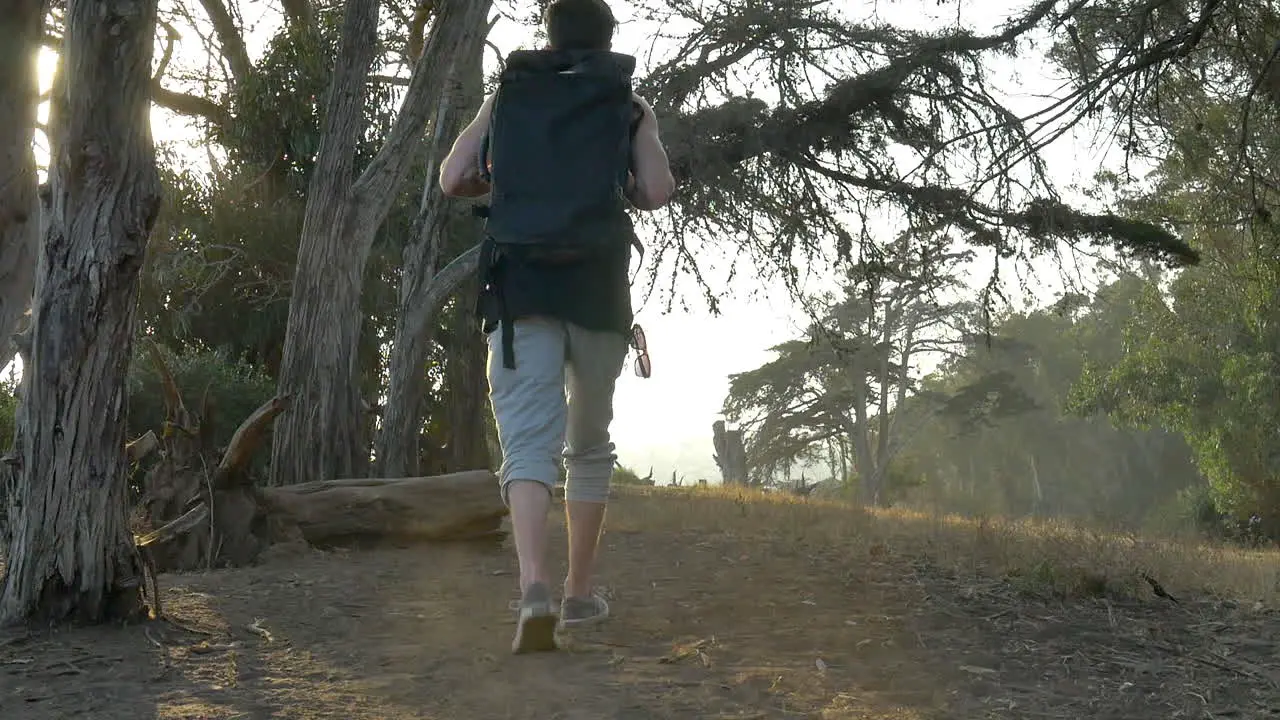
(557, 154)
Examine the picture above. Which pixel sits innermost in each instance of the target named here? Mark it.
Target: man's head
(579, 25)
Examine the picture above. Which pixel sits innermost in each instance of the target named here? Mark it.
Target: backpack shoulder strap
(597, 62)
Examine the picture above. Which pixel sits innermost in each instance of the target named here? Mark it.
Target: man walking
(558, 146)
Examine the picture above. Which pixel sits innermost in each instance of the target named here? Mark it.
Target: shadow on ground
(704, 627)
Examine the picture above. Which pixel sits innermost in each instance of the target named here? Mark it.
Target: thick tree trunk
(321, 439)
(438, 222)
(859, 431)
(863, 461)
(19, 208)
(72, 555)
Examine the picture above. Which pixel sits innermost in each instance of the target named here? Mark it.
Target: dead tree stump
(731, 454)
(197, 513)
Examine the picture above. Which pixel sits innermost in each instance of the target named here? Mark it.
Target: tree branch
(827, 123)
(190, 105)
(417, 28)
(234, 50)
(389, 80)
(1041, 219)
(372, 194)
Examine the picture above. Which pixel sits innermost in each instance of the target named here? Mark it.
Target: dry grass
(729, 604)
(1038, 557)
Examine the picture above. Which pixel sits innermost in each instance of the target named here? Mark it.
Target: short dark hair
(579, 25)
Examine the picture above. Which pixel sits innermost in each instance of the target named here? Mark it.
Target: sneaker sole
(584, 622)
(581, 622)
(535, 633)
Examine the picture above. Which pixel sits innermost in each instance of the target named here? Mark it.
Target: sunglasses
(642, 349)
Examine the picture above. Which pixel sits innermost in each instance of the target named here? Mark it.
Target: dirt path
(703, 628)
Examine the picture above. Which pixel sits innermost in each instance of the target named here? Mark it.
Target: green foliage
(905, 476)
(1201, 346)
(998, 439)
(219, 251)
(232, 390)
(279, 108)
(8, 410)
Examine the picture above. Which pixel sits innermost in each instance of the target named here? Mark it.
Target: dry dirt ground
(724, 607)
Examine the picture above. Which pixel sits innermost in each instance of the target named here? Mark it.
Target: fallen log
(199, 507)
(459, 506)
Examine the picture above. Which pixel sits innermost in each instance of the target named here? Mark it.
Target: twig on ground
(256, 628)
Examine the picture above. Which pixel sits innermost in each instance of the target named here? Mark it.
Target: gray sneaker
(535, 622)
(576, 611)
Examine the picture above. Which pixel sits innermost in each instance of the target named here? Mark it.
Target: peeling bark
(322, 438)
(20, 35)
(72, 556)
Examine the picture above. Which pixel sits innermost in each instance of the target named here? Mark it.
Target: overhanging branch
(1040, 219)
(190, 105)
(712, 149)
(828, 123)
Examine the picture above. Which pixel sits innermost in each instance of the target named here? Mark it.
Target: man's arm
(460, 173)
(651, 185)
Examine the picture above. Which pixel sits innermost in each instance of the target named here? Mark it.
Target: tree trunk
(466, 394)
(72, 555)
(858, 428)
(19, 207)
(1037, 492)
(398, 443)
(361, 512)
(731, 454)
(321, 439)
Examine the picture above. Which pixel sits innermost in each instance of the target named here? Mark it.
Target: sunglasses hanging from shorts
(642, 351)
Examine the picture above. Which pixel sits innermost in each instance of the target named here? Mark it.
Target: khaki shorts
(556, 405)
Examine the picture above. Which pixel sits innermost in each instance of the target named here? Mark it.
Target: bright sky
(664, 422)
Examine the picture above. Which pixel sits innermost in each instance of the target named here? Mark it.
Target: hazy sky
(665, 421)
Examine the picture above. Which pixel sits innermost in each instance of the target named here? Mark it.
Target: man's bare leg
(530, 502)
(586, 520)
(536, 621)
